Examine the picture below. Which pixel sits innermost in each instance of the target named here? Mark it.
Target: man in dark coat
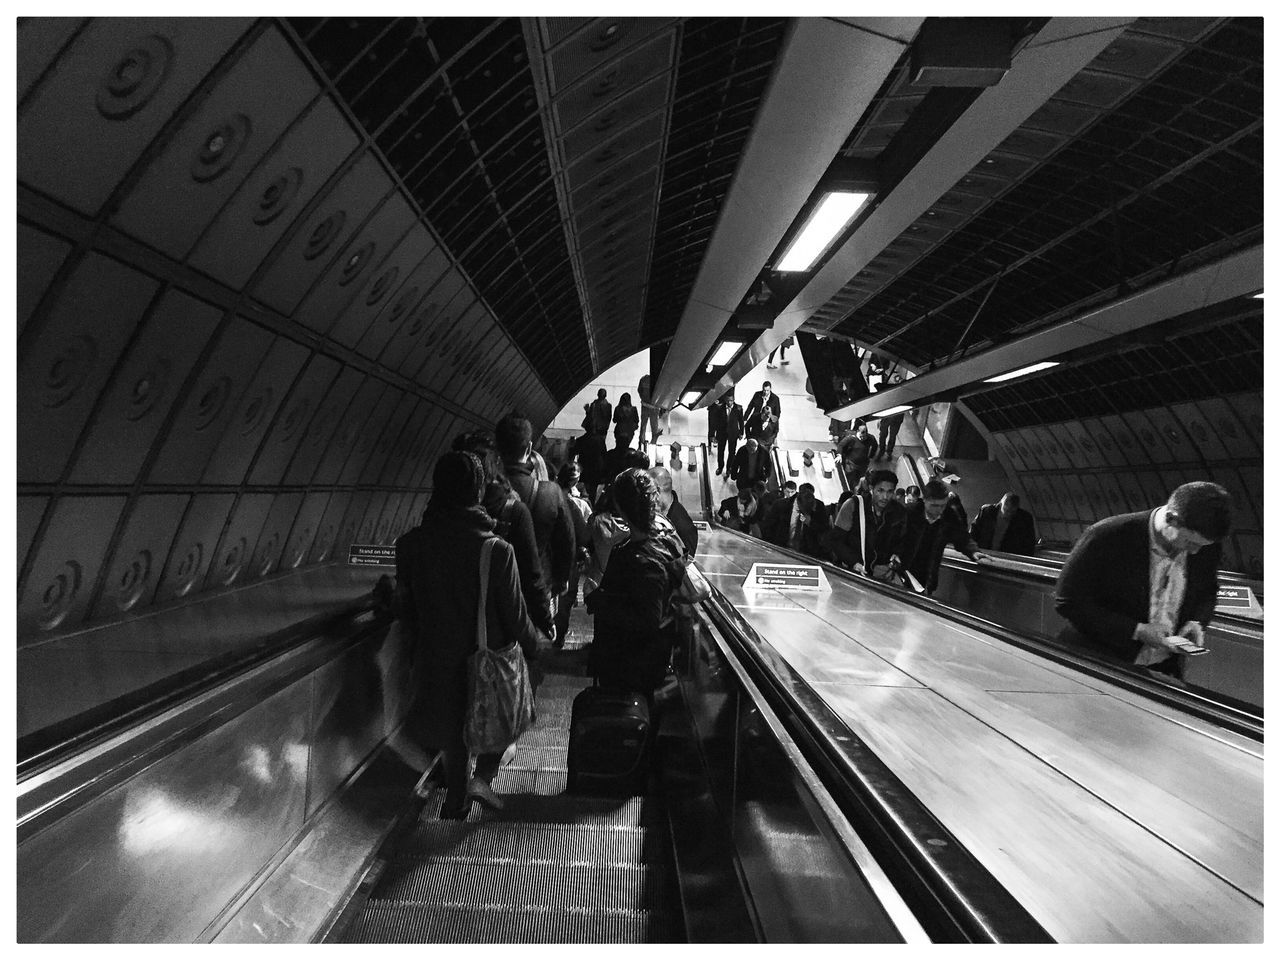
(763, 399)
(1005, 526)
(438, 587)
(670, 507)
(800, 523)
(591, 454)
(883, 524)
(718, 431)
(740, 512)
(599, 414)
(1141, 587)
(856, 451)
(932, 523)
(552, 522)
(751, 464)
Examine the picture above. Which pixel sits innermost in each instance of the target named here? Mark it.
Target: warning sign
(1238, 600)
(372, 555)
(786, 576)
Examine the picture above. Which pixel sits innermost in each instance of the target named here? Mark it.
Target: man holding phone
(1142, 586)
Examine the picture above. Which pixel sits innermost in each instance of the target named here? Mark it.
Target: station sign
(701, 525)
(372, 555)
(1238, 599)
(786, 576)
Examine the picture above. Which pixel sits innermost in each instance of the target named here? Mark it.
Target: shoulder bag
(499, 696)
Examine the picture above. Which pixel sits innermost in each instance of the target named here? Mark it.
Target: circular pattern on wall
(269, 555)
(148, 389)
(220, 148)
(134, 78)
(379, 288)
(1199, 431)
(324, 543)
(300, 553)
(606, 85)
(68, 370)
(188, 570)
(134, 580)
(59, 595)
(211, 402)
(325, 232)
(233, 562)
(294, 419)
(254, 412)
(1147, 436)
(1174, 435)
(277, 196)
(607, 36)
(356, 263)
(402, 305)
(1228, 428)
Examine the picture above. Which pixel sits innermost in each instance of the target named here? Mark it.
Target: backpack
(506, 517)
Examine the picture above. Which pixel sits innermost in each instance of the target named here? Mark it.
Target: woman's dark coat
(438, 584)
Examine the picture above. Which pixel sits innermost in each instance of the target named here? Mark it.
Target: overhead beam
(1057, 53)
(827, 74)
(1235, 276)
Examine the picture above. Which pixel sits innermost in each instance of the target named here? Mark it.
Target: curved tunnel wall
(240, 347)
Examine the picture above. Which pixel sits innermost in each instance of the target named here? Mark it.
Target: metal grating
(1167, 169)
(385, 923)
(575, 843)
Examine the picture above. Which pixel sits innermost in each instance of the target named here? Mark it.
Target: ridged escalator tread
(574, 842)
(497, 923)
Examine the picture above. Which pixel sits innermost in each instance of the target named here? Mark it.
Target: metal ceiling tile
(595, 44)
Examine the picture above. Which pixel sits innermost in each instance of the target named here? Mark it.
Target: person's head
(1197, 515)
(661, 477)
(481, 443)
(860, 428)
(882, 484)
(624, 400)
(759, 488)
(514, 436)
(752, 444)
(569, 474)
(745, 493)
(935, 499)
(635, 496)
(913, 494)
(900, 495)
(788, 488)
(601, 394)
(767, 388)
(805, 497)
(457, 481)
(1009, 504)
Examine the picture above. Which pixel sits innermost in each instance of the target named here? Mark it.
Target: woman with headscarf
(438, 579)
(635, 625)
(626, 422)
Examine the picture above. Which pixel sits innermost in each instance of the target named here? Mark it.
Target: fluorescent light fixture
(1035, 367)
(903, 408)
(691, 397)
(725, 352)
(826, 222)
(1258, 295)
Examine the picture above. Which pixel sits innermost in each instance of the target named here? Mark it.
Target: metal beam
(1057, 53)
(826, 76)
(1235, 276)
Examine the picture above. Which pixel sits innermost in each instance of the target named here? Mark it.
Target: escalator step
(570, 809)
(576, 843)
(514, 779)
(541, 756)
(392, 923)
(522, 884)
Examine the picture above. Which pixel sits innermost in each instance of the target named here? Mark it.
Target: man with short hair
(740, 512)
(767, 498)
(932, 523)
(870, 544)
(751, 464)
(856, 451)
(670, 507)
(600, 413)
(1005, 526)
(764, 408)
(648, 409)
(1141, 587)
(552, 522)
(800, 523)
(912, 495)
(889, 426)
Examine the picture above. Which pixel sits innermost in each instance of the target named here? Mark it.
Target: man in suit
(856, 451)
(763, 399)
(740, 512)
(1141, 587)
(599, 414)
(800, 523)
(1005, 526)
(932, 523)
(718, 431)
(751, 464)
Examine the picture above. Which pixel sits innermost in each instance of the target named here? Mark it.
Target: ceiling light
(691, 397)
(1258, 295)
(826, 223)
(725, 352)
(903, 408)
(1043, 365)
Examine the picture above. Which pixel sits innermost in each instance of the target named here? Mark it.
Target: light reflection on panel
(275, 531)
(235, 551)
(192, 551)
(304, 530)
(325, 545)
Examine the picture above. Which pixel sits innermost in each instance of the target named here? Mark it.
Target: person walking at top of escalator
(751, 464)
(889, 426)
(649, 411)
(626, 422)
(871, 545)
(724, 428)
(932, 523)
(438, 587)
(789, 342)
(856, 451)
(599, 414)
(1140, 588)
(635, 620)
(762, 399)
(1005, 526)
(669, 506)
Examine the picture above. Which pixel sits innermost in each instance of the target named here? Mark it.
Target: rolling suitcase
(609, 743)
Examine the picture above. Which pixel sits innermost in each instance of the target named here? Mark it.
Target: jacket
(599, 416)
(734, 420)
(683, 524)
(732, 506)
(635, 623)
(738, 469)
(777, 527)
(884, 533)
(438, 584)
(514, 523)
(923, 542)
(627, 419)
(1019, 536)
(717, 421)
(858, 450)
(1104, 588)
(552, 525)
(751, 420)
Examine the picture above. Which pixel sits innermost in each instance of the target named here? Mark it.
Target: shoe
(508, 755)
(482, 793)
(772, 366)
(719, 470)
(451, 811)
(785, 362)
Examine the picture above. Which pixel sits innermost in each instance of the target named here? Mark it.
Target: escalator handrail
(955, 896)
(1237, 717)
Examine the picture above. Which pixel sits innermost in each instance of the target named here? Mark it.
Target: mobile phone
(1196, 651)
